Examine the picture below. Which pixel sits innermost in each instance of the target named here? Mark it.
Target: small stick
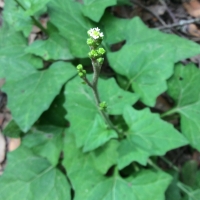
(181, 23)
(147, 9)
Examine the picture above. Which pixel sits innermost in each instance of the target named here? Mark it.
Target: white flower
(95, 33)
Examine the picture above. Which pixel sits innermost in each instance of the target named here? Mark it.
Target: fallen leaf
(192, 7)
(14, 143)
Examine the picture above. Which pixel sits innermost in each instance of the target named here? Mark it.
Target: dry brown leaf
(193, 30)
(193, 8)
(14, 143)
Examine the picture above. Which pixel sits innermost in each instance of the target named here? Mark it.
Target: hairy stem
(36, 22)
(96, 70)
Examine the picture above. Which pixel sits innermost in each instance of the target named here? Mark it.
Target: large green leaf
(29, 177)
(83, 112)
(150, 185)
(16, 17)
(33, 6)
(45, 141)
(54, 48)
(89, 183)
(183, 87)
(147, 135)
(148, 57)
(85, 169)
(113, 28)
(94, 9)
(114, 188)
(14, 61)
(31, 95)
(68, 18)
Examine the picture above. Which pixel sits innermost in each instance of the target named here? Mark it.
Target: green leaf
(54, 48)
(147, 135)
(94, 9)
(67, 17)
(31, 177)
(113, 28)
(150, 185)
(15, 63)
(114, 188)
(82, 110)
(99, 160)
(85, 169)
(12, 130)
(189, 173)
(16, 17)
(33, 6)
(173, 192)
(148, 57)
(190, 194)
(31, 95)
(45, 141)
(98, 135)
(183, 87)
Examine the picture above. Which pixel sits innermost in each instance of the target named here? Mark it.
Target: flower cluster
(95, 33)
(81, 71)
(94, 54)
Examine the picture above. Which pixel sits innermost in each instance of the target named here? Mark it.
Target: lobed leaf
(83, 168)
(33, 94)
(45, 141)
(31, 177)
(54, 48)
(183, 87)
(147, 135)
(16, 17)
(94, 9)
(148, 57)
(72, 25)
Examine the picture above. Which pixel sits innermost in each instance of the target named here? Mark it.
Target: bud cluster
(81, 71)
(103, 106)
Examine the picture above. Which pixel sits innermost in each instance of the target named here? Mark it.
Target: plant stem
(170, 164)
(179, 184)
(184, 189)
(96, 70)
(36, 22)
(169, 112)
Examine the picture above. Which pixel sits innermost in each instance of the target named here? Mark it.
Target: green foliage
(96, 142)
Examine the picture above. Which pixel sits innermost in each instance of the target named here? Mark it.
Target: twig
(168, 10)
(36, 22)
(147, 9)
(181, 23)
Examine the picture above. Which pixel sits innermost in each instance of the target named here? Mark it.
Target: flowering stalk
(96, 56)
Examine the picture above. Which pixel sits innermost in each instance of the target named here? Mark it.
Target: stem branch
(36, 22)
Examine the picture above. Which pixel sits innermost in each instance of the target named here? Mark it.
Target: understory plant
(84, 100)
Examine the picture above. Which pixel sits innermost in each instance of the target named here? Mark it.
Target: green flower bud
(101, 51)
(81, 74)
(93, 54)
(103, 105)
(100, 61)
(90, 42)
(79, 67)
